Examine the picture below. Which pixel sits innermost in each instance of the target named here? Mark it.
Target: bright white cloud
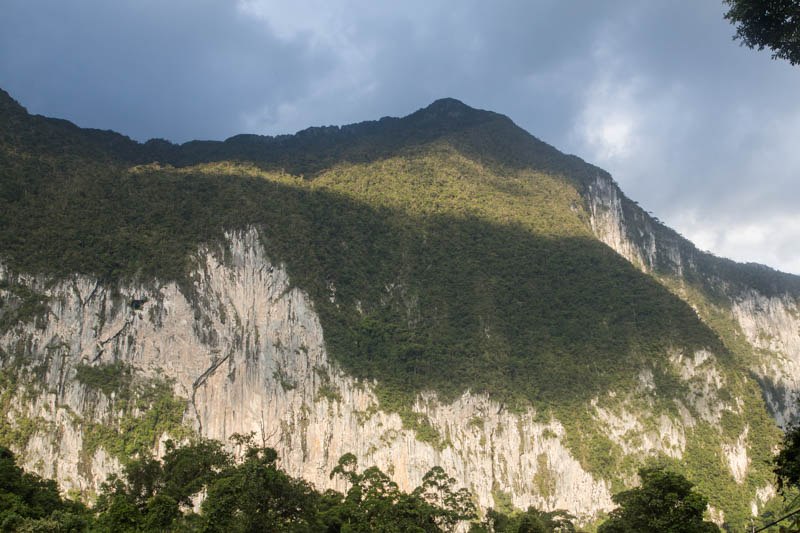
(609, 123)
(709, 149)
(767, 239)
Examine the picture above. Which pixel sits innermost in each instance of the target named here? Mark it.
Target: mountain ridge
(437, 112)
(473, 259)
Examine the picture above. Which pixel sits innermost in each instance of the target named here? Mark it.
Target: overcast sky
(700, 131)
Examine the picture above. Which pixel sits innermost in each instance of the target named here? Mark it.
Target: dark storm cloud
(179, 69)
(697, 129)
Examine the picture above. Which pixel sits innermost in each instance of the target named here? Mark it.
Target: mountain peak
(449, 106)
(448, 114)
(449, 109)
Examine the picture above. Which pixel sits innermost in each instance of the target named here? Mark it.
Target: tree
(257, 496)
(152, 494)
(375, 504)
(190, 468)
(530, 521)
(787, 462)
(773, 24)
(30, 503)
(665, 503)
(787, 470)
(450, 506)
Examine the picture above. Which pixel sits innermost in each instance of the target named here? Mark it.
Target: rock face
(628, 230)
(246, 350)
(770, 323)
(772, 326)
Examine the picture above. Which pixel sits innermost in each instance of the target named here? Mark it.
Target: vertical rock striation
(246, 350)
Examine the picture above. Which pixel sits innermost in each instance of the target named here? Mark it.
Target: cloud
(697, 131)
(181, 69)
(610, 123)
(743, 238)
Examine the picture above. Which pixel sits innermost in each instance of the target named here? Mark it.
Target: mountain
(439, 289)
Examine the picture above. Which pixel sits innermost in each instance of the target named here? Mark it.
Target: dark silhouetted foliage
(665, 503)
(773, 24)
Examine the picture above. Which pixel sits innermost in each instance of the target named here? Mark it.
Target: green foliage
(153, 495)
(545, 478)
(142, 411)
(109, 378)
(787, 471)
(19, 304)
(787, 462)
(29, 503)
(773, 24)
(16, 426)
(447, 251)
(422, 427)
(284, 380)
(703, 461)
(502, 500)
(255, 495)
(374, 503)
(666, 502)
(530, 521)
(326, 387)
(589, 444)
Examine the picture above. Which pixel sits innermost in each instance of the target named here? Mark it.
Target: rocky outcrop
(761, 304)
(632, 233)
(772, 326)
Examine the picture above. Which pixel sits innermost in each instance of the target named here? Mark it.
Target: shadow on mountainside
(483, 136)
(436, 302)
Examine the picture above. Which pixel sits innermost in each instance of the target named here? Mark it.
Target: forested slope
(448, 253)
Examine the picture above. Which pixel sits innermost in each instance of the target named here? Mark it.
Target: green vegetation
(787, 472)
(283, 379)
(666, 502)
(591, 446)
(329, 392)
(770, 24)
(447, 251)
(142, 411)
(16, 425)
(251, 495)
(530, 521)
(703, 462)
(108, 378)
(545, 478)
(29, 503)
(20, 304)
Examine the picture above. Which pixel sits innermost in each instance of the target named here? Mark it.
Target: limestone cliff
(246, 349)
